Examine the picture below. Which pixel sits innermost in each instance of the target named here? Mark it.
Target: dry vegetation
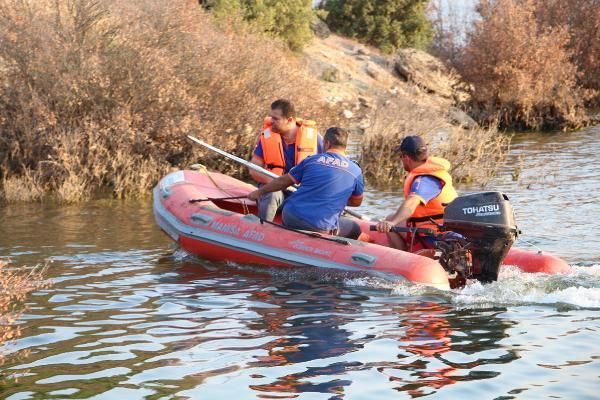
(450, 24)
(530, 64)
(14, 287)
(475, 154)
(98, 95)
(582, 20)
(521, 69)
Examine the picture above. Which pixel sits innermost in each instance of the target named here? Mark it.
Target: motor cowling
(487, 222)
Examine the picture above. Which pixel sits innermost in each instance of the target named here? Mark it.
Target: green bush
(387, 24)
(285, 19)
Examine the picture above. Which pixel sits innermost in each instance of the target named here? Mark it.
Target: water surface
(131, 317)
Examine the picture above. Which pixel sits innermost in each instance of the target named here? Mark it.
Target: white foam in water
(180, 254)
(373, 282)
(581, 288)
(365, 281)
(396, 287)
(411, 289)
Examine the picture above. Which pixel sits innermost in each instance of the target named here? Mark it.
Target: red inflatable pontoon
(229, 230)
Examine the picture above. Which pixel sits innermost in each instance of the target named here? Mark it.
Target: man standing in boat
(329, 183)
(284, 143)
(427, 190)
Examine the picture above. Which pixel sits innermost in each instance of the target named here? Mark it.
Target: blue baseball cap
(411, 145)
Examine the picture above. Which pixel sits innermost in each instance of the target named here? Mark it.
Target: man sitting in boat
(427, 190)
(284, 143)
(329, 182)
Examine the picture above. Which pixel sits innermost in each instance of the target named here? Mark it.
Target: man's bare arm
(276, 184)
(257, 176)
(403, 213)
(355, 201)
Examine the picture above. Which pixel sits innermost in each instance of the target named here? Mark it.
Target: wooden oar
(258, 169)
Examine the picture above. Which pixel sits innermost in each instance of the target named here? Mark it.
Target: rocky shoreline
(357, 79)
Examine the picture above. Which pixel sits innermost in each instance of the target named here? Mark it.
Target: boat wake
(579, 289)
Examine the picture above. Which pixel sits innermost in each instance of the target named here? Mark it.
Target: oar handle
(237, 159)
(217, 199)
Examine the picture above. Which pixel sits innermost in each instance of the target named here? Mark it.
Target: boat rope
(205, 170)
(307, 233)
(540, 251)
(412, 241)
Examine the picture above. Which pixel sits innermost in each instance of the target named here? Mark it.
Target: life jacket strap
(271, 166)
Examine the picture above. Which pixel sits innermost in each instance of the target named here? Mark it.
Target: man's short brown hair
(337, 137)
(286, 107)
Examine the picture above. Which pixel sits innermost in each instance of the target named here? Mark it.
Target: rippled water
(130, 317)
(553, 182)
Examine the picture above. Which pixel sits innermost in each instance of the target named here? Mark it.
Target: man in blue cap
(427, 190)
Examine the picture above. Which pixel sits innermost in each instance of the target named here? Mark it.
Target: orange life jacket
(272, 146)
(434, 209)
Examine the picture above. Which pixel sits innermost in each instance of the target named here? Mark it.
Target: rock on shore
(357, 78)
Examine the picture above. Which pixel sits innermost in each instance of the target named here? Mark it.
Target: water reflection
(435, 335)
(315, 327)
(304, 321)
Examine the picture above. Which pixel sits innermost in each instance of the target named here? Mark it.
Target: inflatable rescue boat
(189, 207)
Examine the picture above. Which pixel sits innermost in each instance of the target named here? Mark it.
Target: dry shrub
(99, 94)
(475, 154)
(15, 284)
(26, 187)
(520, 69)
(582, 19)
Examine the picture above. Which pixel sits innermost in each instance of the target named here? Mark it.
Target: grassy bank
(475, 154)
(99, 95)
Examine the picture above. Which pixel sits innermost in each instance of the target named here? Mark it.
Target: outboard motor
(486, 228)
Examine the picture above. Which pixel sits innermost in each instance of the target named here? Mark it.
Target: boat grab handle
(364, 259)
(203, 219)
(165, 192)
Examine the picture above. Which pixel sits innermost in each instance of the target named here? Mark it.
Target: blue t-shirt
(427, 187)
(327, 181)
(289, 152)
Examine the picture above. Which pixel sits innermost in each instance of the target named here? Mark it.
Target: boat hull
(229, 231)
